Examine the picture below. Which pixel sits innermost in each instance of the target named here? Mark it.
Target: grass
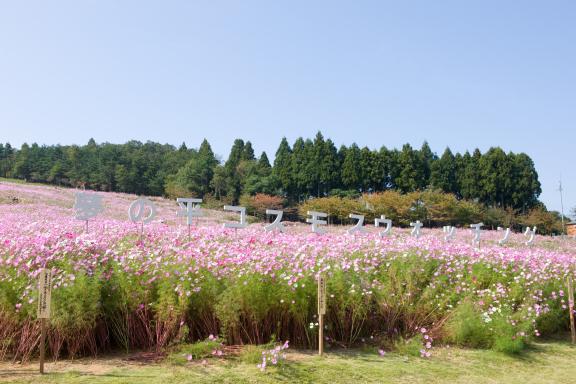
(544, 362)
(7, 180)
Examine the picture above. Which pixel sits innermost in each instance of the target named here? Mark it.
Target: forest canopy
(307, 168)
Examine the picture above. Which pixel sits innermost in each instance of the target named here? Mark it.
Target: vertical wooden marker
(571, 308)
(44, 296)
(321, 312)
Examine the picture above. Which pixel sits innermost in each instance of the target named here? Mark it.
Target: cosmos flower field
(115, 291)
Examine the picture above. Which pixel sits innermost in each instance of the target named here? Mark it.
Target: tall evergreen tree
(264, 163)
(495, 178)
(427, 158)
(218, 184)
(443, 173)
(283, 168)
(371, 172)
(298, 168)
(469, 175)
(389, 160)
(206, 162)
(22, 165)
(525, 186)
(248, 152)
(315, 163)
(7, 162)
(258, 177)
(411, 176)
(194, 178)
(326, 157)
(233, 178)
(310, 171)
(236, 154)
(352, 168)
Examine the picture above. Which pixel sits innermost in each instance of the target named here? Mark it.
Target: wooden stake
(42, 344)
(321, 312)
(44, 298)
(571, 308)
(321, 335)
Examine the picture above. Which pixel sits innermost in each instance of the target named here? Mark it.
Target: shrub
(199, 350)
(467, 328)
(258, 204)
(409, 347)
(502, 331)
(337, 208)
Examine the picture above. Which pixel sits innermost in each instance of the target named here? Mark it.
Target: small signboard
(321, 295)
(44, 293)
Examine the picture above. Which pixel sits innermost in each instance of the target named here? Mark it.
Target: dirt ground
(89, 366)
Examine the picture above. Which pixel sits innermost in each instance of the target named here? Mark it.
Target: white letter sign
(276, 224)
(87, 205)
(504, 240)
(359, 227)
(530, 234)
(189, 208)
(477, 231)
(138, 208)
(416, 230)
(383, 220)
(242, 223)
(315, 221)
(450, 232)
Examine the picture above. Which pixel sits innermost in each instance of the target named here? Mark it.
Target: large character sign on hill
(142, 211)
(87, 205)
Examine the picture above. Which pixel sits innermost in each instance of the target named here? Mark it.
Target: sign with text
(242, 210)
(44, 293)
(321, 295)
(316, 220)
(87, 205)
(189, 208)
(142, 210)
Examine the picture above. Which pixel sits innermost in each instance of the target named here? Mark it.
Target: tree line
(307, 168)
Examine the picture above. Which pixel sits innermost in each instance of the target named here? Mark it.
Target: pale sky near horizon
(458, 74)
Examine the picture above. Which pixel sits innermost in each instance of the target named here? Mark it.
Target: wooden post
(321, 335)
(321, 312)
(571, 308)
(44, 298)
(42, 344)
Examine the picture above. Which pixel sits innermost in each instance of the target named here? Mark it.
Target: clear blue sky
(463, 74)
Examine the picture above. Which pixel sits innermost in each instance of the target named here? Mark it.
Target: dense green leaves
(310, 168)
